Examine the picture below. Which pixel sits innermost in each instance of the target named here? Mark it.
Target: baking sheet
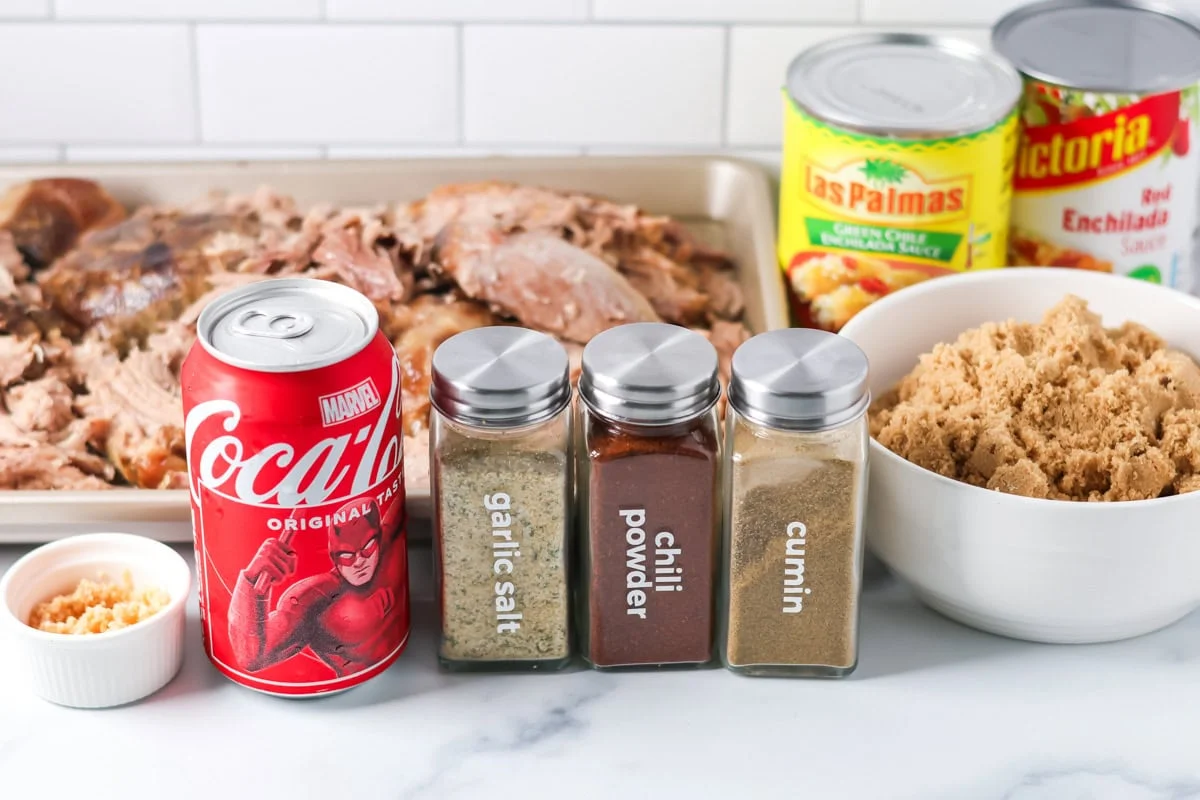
(726, 202)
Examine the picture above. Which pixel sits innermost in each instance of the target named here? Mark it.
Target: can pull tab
(279, 325)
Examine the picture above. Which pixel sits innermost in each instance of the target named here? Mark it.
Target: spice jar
(797, 452)
(501, 482)
(649, 497)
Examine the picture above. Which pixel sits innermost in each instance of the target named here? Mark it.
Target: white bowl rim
(130, 540)
(1002, 274)
(1005, 274)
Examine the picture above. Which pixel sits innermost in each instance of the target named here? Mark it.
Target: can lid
(799, 379)
(500, 376)
(649, 373)
(1110, 46)
(287, 325)
(903, 84)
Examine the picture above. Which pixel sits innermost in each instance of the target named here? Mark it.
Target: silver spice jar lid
(500, 376)
(799, 379)
(649, 373)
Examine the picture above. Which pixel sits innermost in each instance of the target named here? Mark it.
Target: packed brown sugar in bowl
(1062, 409)
(649, 497)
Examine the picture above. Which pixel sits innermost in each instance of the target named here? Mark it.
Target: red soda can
(292, 404)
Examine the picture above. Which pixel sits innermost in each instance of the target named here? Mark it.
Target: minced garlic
(98, 606)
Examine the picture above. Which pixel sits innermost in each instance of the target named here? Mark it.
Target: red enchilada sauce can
(292, 404)
(1107, 172)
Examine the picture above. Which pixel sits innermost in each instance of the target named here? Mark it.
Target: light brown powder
(768, 496)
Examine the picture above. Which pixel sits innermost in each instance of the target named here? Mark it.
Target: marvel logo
(349, 403)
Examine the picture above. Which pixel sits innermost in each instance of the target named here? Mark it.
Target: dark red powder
(652, 549)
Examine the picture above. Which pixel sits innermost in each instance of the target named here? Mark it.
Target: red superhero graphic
(346, 617)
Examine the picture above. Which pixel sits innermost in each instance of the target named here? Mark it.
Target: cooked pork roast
(97, 310)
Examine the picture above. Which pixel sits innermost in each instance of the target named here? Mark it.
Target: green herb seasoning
(501, 477)
(502, 514)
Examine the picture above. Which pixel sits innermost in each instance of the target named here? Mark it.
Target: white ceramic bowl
(104, 669)
(1044, 570)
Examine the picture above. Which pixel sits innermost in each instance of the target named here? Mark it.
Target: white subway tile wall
(24, 9)
(170, 80)
(324, 84)
(593, 84)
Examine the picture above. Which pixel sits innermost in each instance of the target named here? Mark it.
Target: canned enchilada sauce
(897, 167)
(1106, 172)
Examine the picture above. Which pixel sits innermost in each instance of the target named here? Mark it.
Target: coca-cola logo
(334, 468)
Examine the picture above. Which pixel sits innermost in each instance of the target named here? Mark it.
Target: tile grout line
(500, 23)
(194, 67)
(384, 145)
(51, 9)
(460, 63)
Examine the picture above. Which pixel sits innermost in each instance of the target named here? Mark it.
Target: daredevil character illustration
(347, 617)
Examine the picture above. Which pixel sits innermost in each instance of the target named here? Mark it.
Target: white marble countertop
(934, 711)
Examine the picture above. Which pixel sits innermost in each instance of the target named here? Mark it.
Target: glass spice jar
(797, 441)
(500, 470)
(649, 497)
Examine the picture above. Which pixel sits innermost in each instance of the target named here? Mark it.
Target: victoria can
(1107, 171)
(292, 403)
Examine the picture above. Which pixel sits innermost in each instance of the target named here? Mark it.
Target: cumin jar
(500, 472)
(796, 444)
(649, 497)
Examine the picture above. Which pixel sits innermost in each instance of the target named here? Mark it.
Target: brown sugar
(1062, 409)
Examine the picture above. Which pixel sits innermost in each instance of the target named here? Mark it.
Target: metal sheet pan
(726, 202)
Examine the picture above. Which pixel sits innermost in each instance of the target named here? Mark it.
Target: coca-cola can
(292, 404)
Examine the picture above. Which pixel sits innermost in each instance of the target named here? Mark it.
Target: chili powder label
(653, 560)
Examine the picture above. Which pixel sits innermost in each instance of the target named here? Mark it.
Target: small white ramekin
(104, 669)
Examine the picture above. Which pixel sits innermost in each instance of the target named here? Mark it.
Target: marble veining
(1116, 781)
(936, 711)
(521, 734)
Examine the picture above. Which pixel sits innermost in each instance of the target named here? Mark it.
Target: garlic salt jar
(797, 476)
(501, 469)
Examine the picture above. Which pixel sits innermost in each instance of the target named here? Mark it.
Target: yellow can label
(863, 216)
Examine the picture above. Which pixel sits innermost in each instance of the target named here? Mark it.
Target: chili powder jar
(501, 470)
(649, 497)
(797, 471)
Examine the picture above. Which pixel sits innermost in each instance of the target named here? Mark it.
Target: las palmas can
(897, 168)
(292, 402)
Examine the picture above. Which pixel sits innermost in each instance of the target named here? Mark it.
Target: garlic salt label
(505, 555)
(502, 555)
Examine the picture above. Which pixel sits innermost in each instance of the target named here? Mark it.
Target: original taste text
(318, 521)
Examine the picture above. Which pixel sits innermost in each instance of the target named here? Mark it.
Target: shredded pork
(94, 325)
